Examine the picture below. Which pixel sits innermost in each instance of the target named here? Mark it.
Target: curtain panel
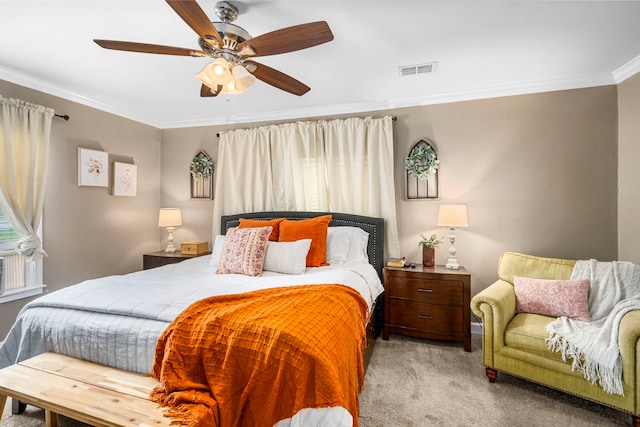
(24, 153)
(336, 166)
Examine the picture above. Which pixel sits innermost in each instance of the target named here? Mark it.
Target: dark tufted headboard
(373, 226)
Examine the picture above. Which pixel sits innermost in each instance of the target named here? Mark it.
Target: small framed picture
(93, 168)
(125, 179)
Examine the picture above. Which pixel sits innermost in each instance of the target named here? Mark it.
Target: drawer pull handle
(425, 290)
(422, 316)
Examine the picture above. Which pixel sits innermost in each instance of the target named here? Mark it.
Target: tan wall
(538, 173)
(87, 232)
(628, 170)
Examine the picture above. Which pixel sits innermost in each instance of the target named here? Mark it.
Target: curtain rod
(393, 118)
(65, 117)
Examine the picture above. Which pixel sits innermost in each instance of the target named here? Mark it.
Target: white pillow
(216, 253)
(347, 244)
(287, 257)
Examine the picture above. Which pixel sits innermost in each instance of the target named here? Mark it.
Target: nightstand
(160, 258)
(428, 302)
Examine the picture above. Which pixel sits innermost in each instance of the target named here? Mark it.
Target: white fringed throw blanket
(614, 291)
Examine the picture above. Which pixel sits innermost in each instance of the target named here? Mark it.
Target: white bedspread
(116, 320)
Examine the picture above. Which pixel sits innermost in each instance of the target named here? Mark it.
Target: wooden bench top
(94, 394)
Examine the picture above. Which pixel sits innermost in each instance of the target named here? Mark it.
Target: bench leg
(51, 418)
(3, 400)
(17, 407)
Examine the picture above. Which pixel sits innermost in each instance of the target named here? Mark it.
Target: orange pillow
(314, 229)
(257, 223)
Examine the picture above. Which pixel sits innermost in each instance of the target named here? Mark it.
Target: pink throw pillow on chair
(569, 298)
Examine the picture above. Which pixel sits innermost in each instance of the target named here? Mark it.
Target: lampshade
(243, 79)
(230, 87)
(453, 216)
(170, 217)
(216, 73)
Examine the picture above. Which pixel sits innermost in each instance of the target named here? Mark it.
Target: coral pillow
(254, 223)
(243, 251)
(569, 298)
(314, 229)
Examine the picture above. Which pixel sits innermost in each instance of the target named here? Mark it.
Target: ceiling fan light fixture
(243, 79)
(204, 79)
(230, 87)
(218, 71)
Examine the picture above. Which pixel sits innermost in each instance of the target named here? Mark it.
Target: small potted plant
(429, 245)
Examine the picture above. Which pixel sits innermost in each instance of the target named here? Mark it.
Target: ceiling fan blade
(206, 91)
(278, 79)
(195, 17)
(148, 48)
(290, 39)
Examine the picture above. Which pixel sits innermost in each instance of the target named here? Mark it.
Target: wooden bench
(85, 391)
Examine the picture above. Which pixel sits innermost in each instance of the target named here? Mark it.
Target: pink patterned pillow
(243, 251)
(569, 298)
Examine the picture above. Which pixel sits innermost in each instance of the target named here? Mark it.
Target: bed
(117, 320)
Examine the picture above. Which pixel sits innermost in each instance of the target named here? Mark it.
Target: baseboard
(476, 328)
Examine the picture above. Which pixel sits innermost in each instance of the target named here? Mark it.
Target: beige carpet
(416, 383)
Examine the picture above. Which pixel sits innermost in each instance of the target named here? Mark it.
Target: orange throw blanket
(256, 358)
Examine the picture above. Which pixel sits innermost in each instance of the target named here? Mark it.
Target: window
(18, 278)
(7, 233)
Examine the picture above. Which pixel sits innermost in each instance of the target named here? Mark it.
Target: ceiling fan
(231, 47)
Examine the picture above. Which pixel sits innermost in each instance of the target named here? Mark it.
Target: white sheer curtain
(24, 152)
(337, 166)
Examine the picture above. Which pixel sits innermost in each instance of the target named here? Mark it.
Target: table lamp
(453, 216)
(170, 218)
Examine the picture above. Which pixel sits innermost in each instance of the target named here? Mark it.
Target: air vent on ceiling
(412, 70)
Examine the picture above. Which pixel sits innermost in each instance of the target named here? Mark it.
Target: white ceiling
(482, 49)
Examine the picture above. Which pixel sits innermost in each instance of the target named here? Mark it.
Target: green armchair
(514, 343)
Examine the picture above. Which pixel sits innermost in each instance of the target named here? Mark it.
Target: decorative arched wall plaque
(202, 176)
(421, 167)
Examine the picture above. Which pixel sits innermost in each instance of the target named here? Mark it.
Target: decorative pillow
(216, 253)
(569, 298)
(287, 257)
(243, 251)
(314, 229)
(254, 223)
(347, 244)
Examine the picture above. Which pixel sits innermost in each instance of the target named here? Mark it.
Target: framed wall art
(422, 167)
(125, 179)
(93, 170)
(202, 176)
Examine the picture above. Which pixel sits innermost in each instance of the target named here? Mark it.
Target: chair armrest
(629, 343)
(496, 306)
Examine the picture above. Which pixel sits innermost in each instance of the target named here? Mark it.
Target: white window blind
(18, 279)
(7, 233)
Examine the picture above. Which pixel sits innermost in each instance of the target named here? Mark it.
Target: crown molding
(627, 70)
(417, 101)
(330, 110)
(37, 84)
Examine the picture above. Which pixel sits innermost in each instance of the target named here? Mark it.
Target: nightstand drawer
(447, 292)
(428, 317)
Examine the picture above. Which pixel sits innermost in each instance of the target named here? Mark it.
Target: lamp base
(452, 264)
(171, 248)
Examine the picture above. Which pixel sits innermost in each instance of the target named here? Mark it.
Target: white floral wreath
(201, 166)
(422, 162)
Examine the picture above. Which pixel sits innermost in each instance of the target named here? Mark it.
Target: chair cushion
(527, 332)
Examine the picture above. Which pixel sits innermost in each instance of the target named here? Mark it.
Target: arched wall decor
(421, 167)
(201, 171)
